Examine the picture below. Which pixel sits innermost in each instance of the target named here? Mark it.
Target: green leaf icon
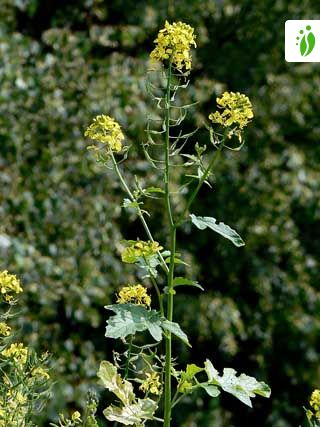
(307, 44)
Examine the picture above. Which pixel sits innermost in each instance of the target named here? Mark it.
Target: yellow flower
(315, 402)
(40, 373)
(9, 283)
(107, 131)
(76, 417)
(236, 111)
(4, 329)
(17, 352)
(20, 398)
(152, 384)
(173, 43)
(139, 249)
(134, 294)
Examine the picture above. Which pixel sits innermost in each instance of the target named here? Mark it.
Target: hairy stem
(170, 274)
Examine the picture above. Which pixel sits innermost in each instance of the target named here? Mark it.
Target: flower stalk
(172, 248)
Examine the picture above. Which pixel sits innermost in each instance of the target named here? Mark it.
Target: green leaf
(133, 414)
(177, 258)
(187, 378)
(183, 281)
(191, 370)
(112, 381)
(175, 329)
(154, 190)
(149, 264)
(176, 261)
(212, 390)
(134, 411)
(131, 318)
(202, 222)
(242, 387)
(210, 370)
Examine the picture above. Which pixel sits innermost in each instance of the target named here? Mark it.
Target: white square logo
(302, 40)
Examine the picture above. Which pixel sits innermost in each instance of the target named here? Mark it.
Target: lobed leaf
(133, 414)
(131, 318)
(134, 411)
(112, 381)
(242, 387)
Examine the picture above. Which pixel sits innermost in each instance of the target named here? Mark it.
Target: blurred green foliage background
(63, 62)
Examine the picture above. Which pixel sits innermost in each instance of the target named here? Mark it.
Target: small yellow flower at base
(152, 384)
(9, 283)
(76, 417)
(107, 131)
(4, 329)
(174, 43)
(17, 352)
(134, 294)
(236, 111)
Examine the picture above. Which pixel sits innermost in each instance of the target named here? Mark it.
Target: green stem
(205, 175)
(176, 401)
(139, 212)
(154, 282)
(126, 372)
(170, 274)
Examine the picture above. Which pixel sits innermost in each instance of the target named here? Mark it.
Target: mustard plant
(24, 378)
(146, 380)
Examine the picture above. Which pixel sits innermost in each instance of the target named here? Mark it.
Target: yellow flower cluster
(315, 403)
(13, 409)
(237, 111)
(18, 352)
(9, 283)
(15, 398)
(134, 294)
(4, 329)
(139, 249)
(152, 384)
(40, 373)
(106, 130)
(19, 398)
(173, 43)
